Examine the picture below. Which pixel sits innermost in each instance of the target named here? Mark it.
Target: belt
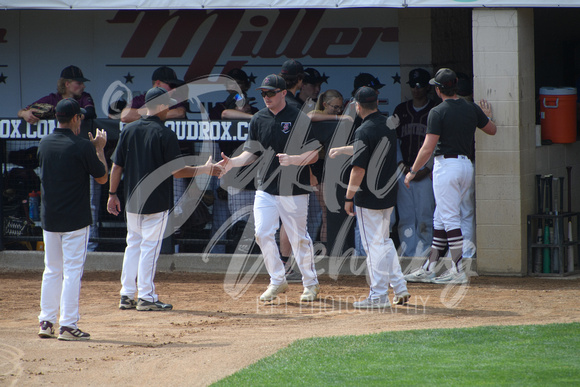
(450, 156)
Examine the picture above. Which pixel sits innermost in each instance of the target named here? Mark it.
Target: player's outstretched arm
(245, 158)
(423, 156)
(341, 150)
(490, 128)
(305, 158)
(209, 168)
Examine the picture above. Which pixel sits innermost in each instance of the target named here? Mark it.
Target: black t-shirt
(455, 121)
(375, 151)
(143, 147)
(287, 132)
(66, 161)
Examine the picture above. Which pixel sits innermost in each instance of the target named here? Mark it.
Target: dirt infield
(210, 335)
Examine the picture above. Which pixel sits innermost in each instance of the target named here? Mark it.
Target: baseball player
(293, 74)
(450, 130)
(281, 144)
(66, 162)
(71, 84)
(144, 146)
(415, 205)
(373, 186)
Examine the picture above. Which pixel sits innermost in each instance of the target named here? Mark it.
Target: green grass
(541, 355)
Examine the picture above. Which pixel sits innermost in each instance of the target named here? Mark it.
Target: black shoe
(46, 330)
(72, 334)
(143, 305)
(127, 303)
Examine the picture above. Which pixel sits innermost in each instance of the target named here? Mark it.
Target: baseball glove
(44, 111)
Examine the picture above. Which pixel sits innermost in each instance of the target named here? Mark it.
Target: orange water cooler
(558, 114)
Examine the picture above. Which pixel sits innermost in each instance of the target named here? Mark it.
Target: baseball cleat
(373, 303)
(451, 277)
(400, 299)
(293, 276)
(72, 334)
(143, 305)
(420, 275)
(127, 303)
(310, 293)
(46, 330)
(272, 292)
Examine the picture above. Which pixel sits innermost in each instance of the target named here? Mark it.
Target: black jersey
(412, 129)
(455, 121)
(375, 151)
(66, 161)
(144, 146)
(286, 132)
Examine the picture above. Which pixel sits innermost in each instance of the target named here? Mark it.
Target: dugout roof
(267, 4)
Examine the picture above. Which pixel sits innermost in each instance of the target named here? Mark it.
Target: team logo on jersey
(286, 126)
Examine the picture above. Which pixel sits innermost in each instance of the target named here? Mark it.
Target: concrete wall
(503, 57)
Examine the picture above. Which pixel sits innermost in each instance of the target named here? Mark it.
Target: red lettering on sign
(304, 32)
(214, 44)
(331, 37)
(247, 43)
(277, 33)
(356, 42)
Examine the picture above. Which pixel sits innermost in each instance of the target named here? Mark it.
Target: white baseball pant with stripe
(382, 259)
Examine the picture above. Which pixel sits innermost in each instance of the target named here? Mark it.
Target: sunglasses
(270, 93)
(335, 107)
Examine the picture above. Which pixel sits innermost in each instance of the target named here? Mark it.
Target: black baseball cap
(239, 75)
(419, 77)
(366, 94)
(166, 75)
(273, 82)
(366, 79)
(445, 79)
(68, 108)
(312, 76)
(158, 96)
(74, 73)
(291, 69)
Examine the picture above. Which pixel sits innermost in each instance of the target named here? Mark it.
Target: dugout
(511, 47)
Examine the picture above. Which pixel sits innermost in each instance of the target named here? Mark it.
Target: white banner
(125, 47)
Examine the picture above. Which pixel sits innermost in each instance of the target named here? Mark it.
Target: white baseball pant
(144, 239)
(451, 181)
(64, 259)
(293, 211)
(382, 259)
